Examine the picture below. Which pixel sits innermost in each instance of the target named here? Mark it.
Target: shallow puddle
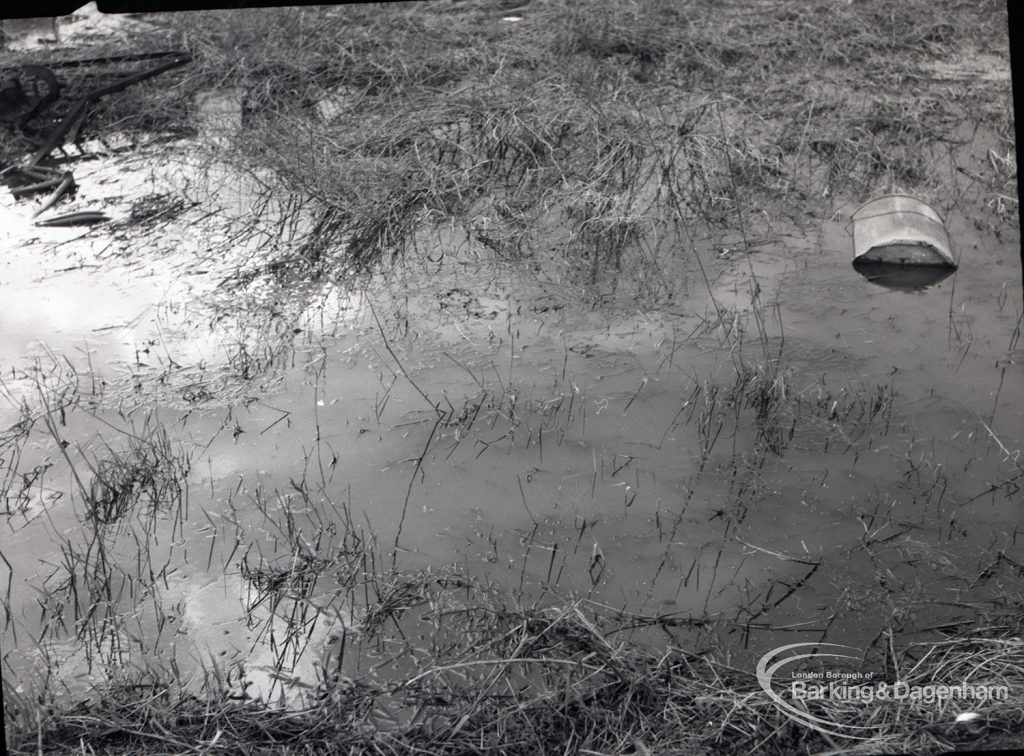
(850, 470)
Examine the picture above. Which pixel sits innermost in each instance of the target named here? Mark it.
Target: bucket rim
(891, 195)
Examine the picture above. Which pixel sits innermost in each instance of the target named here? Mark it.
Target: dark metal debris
(83, 218)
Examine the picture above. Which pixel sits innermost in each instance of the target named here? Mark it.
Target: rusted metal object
(898, 229)
(26, 92)
(66, 184)
(80, 218)
(32, 177)
(78, 111)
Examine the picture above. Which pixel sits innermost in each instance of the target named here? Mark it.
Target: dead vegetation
(516, 681)
(623, 126)
(606, 135)
(437, 661)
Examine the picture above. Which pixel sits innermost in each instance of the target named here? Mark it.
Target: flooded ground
(487, 423)
(786, 451)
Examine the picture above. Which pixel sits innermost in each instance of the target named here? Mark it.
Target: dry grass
(541, 681)
(619, 124)
(602, 133)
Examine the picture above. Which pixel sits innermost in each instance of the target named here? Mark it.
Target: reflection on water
(650, 461)
(903, 277)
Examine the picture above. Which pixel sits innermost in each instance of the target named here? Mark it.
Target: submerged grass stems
(611, 138)
(130, 497)
(432, 661)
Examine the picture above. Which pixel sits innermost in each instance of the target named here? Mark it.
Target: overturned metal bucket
(898, 229)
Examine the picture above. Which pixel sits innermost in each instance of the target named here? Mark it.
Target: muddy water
(948, 351)
(472, 419)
